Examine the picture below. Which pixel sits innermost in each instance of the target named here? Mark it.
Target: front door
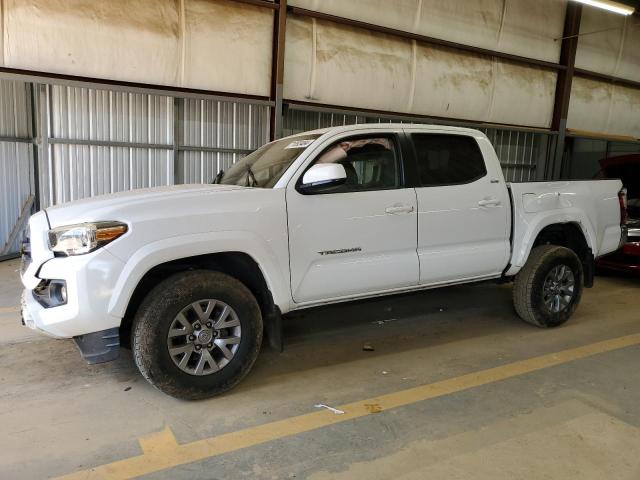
(357, 238)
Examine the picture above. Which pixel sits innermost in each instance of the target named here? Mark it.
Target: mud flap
(99, 347)
(588, 268)
(273, 327)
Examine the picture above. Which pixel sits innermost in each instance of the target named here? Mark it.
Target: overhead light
(609, 5)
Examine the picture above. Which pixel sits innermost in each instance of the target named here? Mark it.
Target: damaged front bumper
(68, 297)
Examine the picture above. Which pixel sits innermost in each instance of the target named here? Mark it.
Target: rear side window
(447, 159)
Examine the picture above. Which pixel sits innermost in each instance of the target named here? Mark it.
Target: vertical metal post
(563, 84)
(176, 136)
(45, 157)
(277, 68)
(33, 117)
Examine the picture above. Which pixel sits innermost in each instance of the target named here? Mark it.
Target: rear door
(360, 237)
(463, 209)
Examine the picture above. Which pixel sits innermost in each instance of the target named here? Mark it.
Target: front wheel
(547, 290)
(197, 334)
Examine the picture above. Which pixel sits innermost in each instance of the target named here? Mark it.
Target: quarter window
(448, 159)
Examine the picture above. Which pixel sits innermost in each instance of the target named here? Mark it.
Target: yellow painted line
(162, 451)
(9, 309)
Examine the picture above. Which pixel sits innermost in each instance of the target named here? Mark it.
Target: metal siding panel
(15, 159)
(80, 171)
(197, 167)
(79, 113)
(15, 188)
(14, 109)
(215, 124)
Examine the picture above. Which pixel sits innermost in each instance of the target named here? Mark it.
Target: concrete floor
(579, 418)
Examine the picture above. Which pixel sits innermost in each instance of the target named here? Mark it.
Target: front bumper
(90, 280)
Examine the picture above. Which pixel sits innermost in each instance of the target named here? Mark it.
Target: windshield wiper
(251, 176)
(218, 177)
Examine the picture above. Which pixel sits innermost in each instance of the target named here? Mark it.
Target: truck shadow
(372, 328)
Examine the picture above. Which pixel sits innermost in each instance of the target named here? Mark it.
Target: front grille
(25, 250)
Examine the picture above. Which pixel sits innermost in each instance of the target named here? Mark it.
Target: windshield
(264, 167)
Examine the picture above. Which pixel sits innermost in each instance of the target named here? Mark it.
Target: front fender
(184, 246)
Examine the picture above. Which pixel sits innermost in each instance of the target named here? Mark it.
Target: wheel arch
(569, 234)
(237, 264)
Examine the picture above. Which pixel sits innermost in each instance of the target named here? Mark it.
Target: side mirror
(323, 175)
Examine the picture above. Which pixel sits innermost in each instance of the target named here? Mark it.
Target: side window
(371, 163)
(448, 159)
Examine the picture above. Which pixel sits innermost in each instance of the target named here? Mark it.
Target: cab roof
(391, 126)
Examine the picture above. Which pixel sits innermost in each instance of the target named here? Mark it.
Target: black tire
(529, 284)
(159, 309)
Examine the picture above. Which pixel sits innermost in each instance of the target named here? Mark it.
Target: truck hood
(188, 211)
(110, 206)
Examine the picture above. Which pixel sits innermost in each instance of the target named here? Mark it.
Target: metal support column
(277, 68)
(33, 118)
(44, 157)
(565, 79)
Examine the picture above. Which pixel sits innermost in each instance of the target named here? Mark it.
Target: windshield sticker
(300, 144)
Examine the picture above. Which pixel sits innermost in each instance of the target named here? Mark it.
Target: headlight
(84, 237)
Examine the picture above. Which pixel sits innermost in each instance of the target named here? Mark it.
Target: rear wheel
(197, 334)
(547, 290)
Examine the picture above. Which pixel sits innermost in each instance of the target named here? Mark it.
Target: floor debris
(367, 347)
(331, 409)
(386, 320)
(373, 407)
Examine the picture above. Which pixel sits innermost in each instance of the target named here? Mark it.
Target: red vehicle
(626, 168)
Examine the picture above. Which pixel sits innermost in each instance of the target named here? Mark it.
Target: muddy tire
(197, 334)
(547, 290)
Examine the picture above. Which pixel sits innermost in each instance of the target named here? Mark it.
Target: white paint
(463, 230)
(323, 173)
(590, 205)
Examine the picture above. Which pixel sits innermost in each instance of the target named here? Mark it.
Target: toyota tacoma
(190, 276)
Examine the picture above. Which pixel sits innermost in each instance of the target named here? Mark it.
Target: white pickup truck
(191, 275)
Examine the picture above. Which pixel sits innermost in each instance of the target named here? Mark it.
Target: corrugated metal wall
(85, 126)
(96, 141)
(16, 162)
(103, 141)
(522, 153)
(213, 135)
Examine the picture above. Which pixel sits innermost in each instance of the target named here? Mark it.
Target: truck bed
(592, 205)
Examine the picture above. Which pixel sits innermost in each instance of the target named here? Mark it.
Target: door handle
(489, 202)
(399, 209)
